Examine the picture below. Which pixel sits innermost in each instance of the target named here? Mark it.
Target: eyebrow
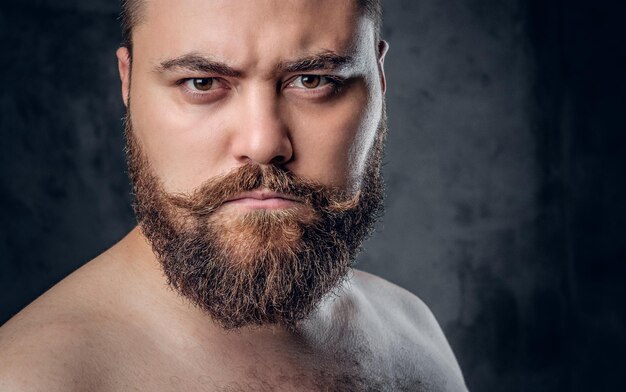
(199, 63)
(324, 60)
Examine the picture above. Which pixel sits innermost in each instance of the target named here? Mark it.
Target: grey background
(504, 171)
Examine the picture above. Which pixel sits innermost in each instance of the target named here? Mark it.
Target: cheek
(179, 141)
(332, 142)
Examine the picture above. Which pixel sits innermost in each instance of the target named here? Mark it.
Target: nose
(262, 136)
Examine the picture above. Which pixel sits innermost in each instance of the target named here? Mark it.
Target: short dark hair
(131, 14)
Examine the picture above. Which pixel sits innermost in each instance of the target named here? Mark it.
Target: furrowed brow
(197, 63)
(326, 60)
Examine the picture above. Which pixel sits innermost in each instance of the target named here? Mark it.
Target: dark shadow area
(580, 92)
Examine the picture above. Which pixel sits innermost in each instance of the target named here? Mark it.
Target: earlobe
(383, 47)
(123, 66)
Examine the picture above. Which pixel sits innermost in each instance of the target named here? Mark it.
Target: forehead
(250, 33)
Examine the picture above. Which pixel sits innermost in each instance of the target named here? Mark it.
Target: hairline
(132, 14)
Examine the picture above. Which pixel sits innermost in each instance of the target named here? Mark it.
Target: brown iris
(310, 81)
(203, 84)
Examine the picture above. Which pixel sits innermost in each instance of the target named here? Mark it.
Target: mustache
(216, 191)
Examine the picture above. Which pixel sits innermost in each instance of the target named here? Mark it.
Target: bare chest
(355, 360)
(256, 373)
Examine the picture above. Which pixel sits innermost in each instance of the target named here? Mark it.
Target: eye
(199, 84)
(310, 82)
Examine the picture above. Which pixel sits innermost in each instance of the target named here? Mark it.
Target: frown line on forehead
(195, 62)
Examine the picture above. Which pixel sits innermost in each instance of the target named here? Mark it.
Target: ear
(383, 47)
(123, 66)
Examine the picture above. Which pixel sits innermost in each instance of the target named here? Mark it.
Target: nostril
(279, 159)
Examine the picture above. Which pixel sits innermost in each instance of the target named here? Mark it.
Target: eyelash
(335, 83)
(197, 93)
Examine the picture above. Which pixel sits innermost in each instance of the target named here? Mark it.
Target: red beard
(258, 267)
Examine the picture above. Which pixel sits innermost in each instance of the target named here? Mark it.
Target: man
(254, 139)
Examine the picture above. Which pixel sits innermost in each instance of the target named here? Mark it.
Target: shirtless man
(254, 137)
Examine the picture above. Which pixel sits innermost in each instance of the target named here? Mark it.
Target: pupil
(202, 84)
(310, 81)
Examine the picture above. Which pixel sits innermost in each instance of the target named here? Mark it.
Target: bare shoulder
(381, 294)
(51, 344)
(416, 342)
(44, 353)
(393, 302)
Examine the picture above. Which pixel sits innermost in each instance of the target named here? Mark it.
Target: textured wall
(504, 170)
(64, 198)
(462, 174)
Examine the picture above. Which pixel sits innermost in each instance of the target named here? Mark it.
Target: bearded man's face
(257, 266)
(255, 166)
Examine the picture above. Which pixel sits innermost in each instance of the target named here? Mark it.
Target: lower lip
(273, 203)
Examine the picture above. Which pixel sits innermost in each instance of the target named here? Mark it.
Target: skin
(113, 325)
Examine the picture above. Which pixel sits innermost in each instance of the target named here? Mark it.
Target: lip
(263, 199)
